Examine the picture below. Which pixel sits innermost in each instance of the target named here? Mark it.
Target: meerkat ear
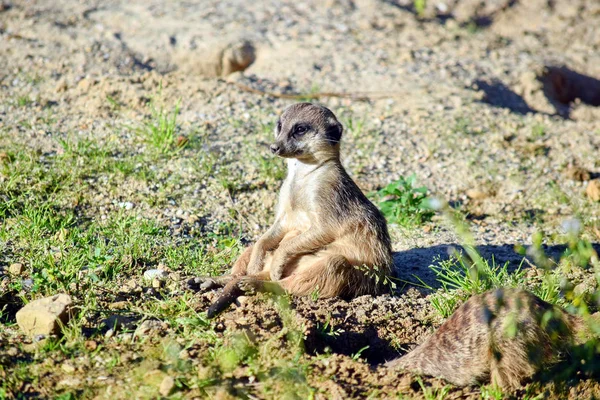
(334, 132)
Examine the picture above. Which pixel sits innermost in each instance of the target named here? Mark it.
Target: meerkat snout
(275, 148)
(307, 131)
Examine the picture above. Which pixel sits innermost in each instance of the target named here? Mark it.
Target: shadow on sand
(499, 95)
(562, 86)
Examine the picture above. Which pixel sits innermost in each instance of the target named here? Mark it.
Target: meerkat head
(307, 132)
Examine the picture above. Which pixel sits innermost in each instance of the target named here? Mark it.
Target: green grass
(43, 204)
(538, 131)
(463, 126)
(464, 275)
(460, 278)
(160, 130)
(491, 392)
(24, 101)
(355, 126)
(419, 6)
(405, 204)
(430, 393)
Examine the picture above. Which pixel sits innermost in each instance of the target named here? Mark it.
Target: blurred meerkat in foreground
(504, 336)
(327, 236)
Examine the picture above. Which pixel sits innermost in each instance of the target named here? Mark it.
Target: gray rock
(148, 327)
(27, 284)
(45, 316)
(126, 205)
(152, 274)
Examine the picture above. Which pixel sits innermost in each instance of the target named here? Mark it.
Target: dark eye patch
(334, 133)
(300, 129)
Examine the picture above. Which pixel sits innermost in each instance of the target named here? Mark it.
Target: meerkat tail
(231, 292)
(240, 285)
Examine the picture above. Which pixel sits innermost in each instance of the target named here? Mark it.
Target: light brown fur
(327, 236)
(504, 336)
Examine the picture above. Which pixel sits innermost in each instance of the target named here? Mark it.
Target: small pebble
(157, 283)
(27, 284)
(91, 345)
(126, 205)
(593, 190)
(16, 269)
(68, 368)
(151, 274)
(166, 386)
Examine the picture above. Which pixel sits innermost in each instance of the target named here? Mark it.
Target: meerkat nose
(275, 148)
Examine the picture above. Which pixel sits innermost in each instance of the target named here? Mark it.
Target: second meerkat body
(505, 336)
(327, 237)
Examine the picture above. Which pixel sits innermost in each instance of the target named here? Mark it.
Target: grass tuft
(460, 278)
(160, 131)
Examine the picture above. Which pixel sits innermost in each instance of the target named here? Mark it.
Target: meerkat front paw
(276, 273)
(196, 284)
(256, 263)
(255, 267)
(278, 264)
(205, 283)
(248, 285)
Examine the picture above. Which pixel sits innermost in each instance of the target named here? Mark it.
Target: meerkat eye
(279, 126)
(300, 130)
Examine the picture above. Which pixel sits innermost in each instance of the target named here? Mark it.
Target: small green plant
(419, 6)
(356, 356)
(462, 125)
(315, 294)
(66, 396)
(379, 276)
(113, 103)
(491, 392)
(459, 273)
(354, 126)
(160, 131)
(270, 167)
(237, 352)
(24, 101)
(328, 329)
(445, 303)
(405, 204)
(538, 131)
(430, 393)
(312, 94)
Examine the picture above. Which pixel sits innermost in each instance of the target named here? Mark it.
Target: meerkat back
(503, 335)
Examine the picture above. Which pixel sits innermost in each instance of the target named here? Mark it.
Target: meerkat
(505, 336)
(327, 236)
